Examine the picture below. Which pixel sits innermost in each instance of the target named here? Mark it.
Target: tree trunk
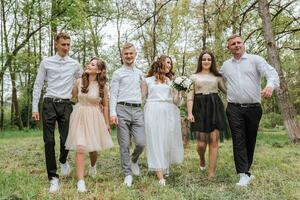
(53, 26)
(2, 75)
(39, 123)
(28, 90)
(28, 75)
(84, 49)
(119, 22)
(155, 21)
(204, 35)
(287, 108)
(2, 106)
(15, 104)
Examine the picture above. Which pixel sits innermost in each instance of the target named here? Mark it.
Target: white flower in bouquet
(182, 83)
(187, 83)
(178, 80)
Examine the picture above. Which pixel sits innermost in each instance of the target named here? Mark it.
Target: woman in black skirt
(206, 111)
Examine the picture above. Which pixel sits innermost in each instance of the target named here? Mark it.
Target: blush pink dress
(88, 130)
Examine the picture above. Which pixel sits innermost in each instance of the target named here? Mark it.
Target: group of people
(85, 127)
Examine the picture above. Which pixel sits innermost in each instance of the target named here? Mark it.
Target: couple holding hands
(85, 128)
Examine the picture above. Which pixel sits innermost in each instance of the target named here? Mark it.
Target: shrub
(271, 120)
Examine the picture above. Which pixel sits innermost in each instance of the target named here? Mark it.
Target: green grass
(17, 134)
(276, 167)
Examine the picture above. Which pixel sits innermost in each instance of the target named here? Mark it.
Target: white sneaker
(252, 177)
(167, 172)
(162, 182)
(93, 171)
(135, 168)
(54, 185)
(81, 186)
(244, 180)
(65, 169)
(128, 180)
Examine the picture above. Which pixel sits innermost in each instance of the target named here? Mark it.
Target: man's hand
(267, 92)
(114, 120)
(35, 116)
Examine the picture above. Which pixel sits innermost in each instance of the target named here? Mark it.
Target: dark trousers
(243, 122)
(52, 112)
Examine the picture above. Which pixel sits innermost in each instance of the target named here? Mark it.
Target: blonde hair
(233, 36)
(62, 35)
(127, 45)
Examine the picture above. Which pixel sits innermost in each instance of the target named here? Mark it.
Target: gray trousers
(130, 121)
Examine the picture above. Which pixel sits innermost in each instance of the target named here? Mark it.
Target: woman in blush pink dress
(89, 130)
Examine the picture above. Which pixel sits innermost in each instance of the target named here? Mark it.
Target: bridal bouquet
(182, 83)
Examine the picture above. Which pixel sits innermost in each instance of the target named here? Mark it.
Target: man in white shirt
(126, 111)
(243, 73)
(59, 71)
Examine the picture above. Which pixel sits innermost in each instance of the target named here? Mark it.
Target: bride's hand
(109, 129)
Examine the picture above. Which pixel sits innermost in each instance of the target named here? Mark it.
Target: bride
(162, 119)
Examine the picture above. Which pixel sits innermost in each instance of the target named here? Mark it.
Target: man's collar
(59, 58)
(132, 67)
(244, 56)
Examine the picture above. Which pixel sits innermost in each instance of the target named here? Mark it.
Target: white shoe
(135, 168)
(54, 185)
(244, 180)
(81, 186)
(167, 172)
(65, 169)
(252, 177)
(93, 171)
(128, 180)
(202, 168)
(162, 182)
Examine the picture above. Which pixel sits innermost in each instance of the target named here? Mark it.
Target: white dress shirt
(125, 87)
(59, 73)
(243, 78)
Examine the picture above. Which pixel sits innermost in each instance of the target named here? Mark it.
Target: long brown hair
(101, 78)
(157, 69)
(213, 68)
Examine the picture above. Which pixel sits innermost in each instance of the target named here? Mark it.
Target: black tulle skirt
(209, 114)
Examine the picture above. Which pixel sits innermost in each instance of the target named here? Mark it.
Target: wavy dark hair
(157, 67)
(101, 77)
(213, 68)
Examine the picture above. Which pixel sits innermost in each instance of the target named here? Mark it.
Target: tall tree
(287, 108)
(2, 76)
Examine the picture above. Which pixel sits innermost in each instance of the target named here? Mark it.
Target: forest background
(179, 28)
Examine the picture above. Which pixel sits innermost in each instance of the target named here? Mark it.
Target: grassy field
(276, 167)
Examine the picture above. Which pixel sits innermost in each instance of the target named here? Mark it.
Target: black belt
(213, 93)
(130, 104)
(56, 100)
(246, 105)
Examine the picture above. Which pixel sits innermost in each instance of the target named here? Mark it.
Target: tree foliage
(179, 28)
